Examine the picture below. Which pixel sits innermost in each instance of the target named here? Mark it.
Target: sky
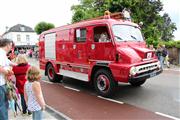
(58, 12)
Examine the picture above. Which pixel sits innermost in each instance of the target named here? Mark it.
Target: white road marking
(71, 88)
(110, 100)
(168, 116)
(47, 82)
(61, 114)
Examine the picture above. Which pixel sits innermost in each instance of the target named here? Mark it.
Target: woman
(20, 73)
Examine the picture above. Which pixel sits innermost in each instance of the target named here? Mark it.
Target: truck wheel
(104, 83)
(53, 77)
(137, 83)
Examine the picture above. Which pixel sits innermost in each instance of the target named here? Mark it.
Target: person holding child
(5, 46)
(33, 93)
(20, 73)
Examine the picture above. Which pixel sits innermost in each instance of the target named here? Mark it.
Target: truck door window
(81, 35)
(101, 34)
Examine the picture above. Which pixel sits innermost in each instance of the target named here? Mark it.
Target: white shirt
(4, 62)
(32, 103)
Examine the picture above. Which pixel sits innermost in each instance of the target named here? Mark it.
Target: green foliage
(43, 26)
(172, 43)
(177, 45)
(155, 27)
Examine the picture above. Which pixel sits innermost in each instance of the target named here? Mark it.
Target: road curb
(56, 114)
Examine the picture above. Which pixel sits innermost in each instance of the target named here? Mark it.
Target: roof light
(107, 14)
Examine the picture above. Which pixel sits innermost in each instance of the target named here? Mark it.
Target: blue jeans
(161, 59)
(37, 115)
(3, 103)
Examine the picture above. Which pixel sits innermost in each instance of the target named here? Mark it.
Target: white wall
(33, 38)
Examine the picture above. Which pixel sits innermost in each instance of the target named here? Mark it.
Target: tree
(168, 28)
(154, 28)
(43, 26)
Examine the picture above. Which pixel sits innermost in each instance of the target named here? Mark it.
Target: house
(23, 36)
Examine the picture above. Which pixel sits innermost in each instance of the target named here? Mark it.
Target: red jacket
(20, 74)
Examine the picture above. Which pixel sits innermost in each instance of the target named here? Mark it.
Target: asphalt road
(160, 94)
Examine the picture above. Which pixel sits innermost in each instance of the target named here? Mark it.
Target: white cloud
(31, 12)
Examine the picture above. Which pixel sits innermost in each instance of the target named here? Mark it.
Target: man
(104, 37)
(5, 47)
(165, 55)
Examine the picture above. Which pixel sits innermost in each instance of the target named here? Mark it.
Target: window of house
(27, 38)
(22, 28)
(81, 35)
(18, 37)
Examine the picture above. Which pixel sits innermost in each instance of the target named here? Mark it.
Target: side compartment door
(50, 46)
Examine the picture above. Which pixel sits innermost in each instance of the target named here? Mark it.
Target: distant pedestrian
(30, 53)
(159, 51)
(165, 55)
(33, 93)
(20, 73)
(5, 47)
(151, 47)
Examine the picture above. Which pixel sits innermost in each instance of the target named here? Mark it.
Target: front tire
(52, 76)
(104, 83)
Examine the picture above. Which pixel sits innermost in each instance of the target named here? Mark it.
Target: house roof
(20, 28)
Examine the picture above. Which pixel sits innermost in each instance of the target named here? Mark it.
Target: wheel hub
(102, 83)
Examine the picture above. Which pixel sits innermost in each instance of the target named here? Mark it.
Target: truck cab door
(101, 47)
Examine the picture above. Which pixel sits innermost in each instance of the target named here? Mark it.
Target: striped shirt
(32, 103)
(4, 62)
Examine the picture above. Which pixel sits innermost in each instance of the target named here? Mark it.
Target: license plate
(152, 74)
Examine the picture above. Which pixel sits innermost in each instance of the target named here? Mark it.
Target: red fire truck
(102, 51)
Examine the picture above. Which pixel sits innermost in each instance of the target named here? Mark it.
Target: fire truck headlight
(133, 71)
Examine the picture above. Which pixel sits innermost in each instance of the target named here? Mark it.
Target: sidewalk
(172, 68)
(47, 115)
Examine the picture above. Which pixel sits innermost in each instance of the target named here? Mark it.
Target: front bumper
(145, 75)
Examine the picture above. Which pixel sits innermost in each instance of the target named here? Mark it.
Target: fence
(174, 55)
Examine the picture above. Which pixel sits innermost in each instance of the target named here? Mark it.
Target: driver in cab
(104, 38)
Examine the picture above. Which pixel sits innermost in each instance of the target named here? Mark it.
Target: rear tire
(53, 77)
(104, 83)
(137, 83)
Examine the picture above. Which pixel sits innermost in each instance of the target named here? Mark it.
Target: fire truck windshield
(127, 33)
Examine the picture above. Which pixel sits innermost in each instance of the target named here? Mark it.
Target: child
(20, 73)
(33, 93)
(11, 91)
(11, 96)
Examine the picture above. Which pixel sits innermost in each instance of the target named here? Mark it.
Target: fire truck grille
(146, 67)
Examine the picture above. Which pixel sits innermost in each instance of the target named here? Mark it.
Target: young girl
(33, 93)
(12, 94)
(20, 73)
